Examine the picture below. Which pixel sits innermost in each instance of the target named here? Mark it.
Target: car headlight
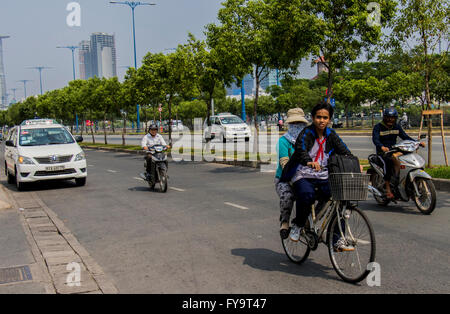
(80, 156)
(25, 160)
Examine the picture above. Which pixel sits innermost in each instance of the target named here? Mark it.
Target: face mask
(293, 132)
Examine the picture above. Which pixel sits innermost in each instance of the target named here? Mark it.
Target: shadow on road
(404, 208)
(264, 259)
(234, 170)
(146, 189)
(43, 185)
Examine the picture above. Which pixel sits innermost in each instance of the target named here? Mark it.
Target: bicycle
(339, 218)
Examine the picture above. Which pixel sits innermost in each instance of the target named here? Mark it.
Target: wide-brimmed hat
(296, 115)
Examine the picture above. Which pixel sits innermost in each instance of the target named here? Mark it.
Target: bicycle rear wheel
(358, 233)
(297, 252)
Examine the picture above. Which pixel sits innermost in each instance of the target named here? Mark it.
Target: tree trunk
(330, 85)
(92, 132)
(104, 129)
(255, 103)
(170, 120)
(145, 117)
(209, 109)
(346, 117)
(124, 131)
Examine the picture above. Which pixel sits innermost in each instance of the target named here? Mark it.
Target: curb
(4, 204)
(54, 246)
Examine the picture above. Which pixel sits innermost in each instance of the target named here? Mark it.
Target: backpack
(343, 164)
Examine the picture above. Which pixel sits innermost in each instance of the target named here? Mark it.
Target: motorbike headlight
(80, 156)
(25, 160)
(407, 148)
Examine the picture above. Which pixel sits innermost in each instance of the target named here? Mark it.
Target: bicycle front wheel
(357, 250)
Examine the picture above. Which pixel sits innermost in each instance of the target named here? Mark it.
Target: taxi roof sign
(39, 122)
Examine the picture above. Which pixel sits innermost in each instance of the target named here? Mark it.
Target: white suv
(43, 150)
(226, 126)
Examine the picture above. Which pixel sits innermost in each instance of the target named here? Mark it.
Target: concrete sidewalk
(19, 272)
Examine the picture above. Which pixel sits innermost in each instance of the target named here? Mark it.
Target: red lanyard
(320, 151)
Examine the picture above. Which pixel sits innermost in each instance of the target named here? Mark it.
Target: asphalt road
(361, 146)
(216, 231)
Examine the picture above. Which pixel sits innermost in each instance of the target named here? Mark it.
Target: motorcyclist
(384, 136)
(150, 139)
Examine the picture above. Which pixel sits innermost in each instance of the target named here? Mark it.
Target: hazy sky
(37, 27)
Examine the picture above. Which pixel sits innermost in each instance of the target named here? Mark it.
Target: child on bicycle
(306, 169)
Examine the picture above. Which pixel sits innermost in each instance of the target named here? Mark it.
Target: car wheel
(19, 185)
(10, 176)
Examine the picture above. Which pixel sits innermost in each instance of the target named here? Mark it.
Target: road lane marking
(112, 171)
(235, 205)
(177, 189)
(140, 179)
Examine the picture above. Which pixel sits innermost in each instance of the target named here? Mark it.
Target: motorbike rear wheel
(426, 201)
(378, 183)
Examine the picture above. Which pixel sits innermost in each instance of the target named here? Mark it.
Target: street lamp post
(25, 87)
(14, 94)
(73, 48)
(278, 84)
(133, 5)
(40, 68)
(243, 101)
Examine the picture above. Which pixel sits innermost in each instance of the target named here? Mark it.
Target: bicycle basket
(349, 186)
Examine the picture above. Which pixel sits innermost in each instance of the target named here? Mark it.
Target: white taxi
(42, 149)
(226, 126)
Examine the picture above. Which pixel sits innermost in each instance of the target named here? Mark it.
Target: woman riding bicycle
(306, 168)
(285, 148)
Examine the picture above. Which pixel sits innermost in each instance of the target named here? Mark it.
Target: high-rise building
(235, 90)
(269, 80)
(3, 96)
(103, 54)
(85, 60)
(98, 56)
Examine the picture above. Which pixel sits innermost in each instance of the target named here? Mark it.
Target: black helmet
(390, 112)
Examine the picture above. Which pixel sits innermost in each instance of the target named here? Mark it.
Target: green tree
(166, 77)
(425, 23)
(345, 33)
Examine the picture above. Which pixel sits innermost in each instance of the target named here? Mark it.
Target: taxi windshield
(231, 120)
(45, 136)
